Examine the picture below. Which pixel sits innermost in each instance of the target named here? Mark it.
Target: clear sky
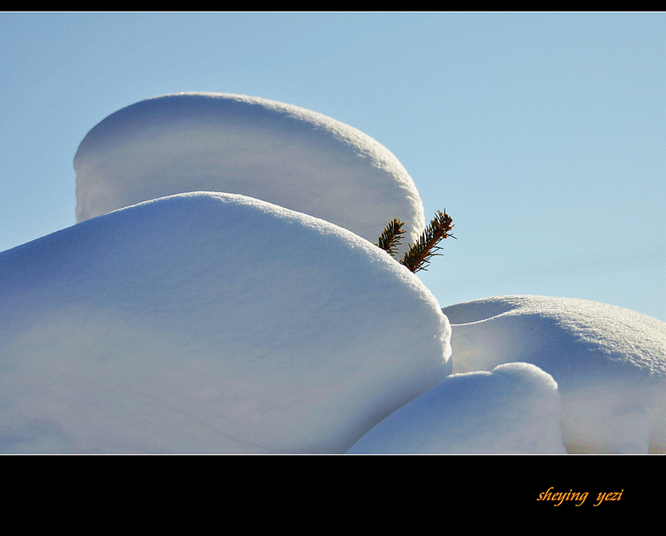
(542, 134)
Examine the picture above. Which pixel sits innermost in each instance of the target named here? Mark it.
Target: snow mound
(209, 323)
(263, 149)
(515, 409)
(609, 363)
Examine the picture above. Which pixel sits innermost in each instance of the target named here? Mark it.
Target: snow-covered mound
(609, 363)
(515, 409)
(209, 323)
(264, 149)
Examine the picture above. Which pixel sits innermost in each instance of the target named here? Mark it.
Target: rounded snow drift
(609, 363)
(206, 323)
(515, 409)
(268, 150)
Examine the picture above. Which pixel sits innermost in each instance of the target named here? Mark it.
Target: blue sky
(542, 134)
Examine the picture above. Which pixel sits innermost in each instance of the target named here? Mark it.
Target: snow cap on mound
(209, 323)
(609, 363)
(264, 149)
(515, 409)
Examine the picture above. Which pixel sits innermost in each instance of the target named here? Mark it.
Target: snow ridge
(609, 363)
(280, 153)
(209, 322)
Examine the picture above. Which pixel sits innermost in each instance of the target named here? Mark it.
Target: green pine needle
(390, 238)
(418, 255)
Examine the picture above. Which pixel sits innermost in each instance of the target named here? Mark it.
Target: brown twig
(418, 255)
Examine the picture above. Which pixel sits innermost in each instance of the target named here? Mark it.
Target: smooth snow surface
(205, 323)
(515, 409)
(609, 363)
(220, 294)
(264, 149)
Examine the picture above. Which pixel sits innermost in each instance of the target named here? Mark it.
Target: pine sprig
(390, 238)
(418, 255)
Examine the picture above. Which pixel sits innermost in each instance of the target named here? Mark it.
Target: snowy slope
(209, 323)
(264, 149)
(609, 363)
(515, 409)
(192, 320)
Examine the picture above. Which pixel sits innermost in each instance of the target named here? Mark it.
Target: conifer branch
(418, 255)
(390, 238)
